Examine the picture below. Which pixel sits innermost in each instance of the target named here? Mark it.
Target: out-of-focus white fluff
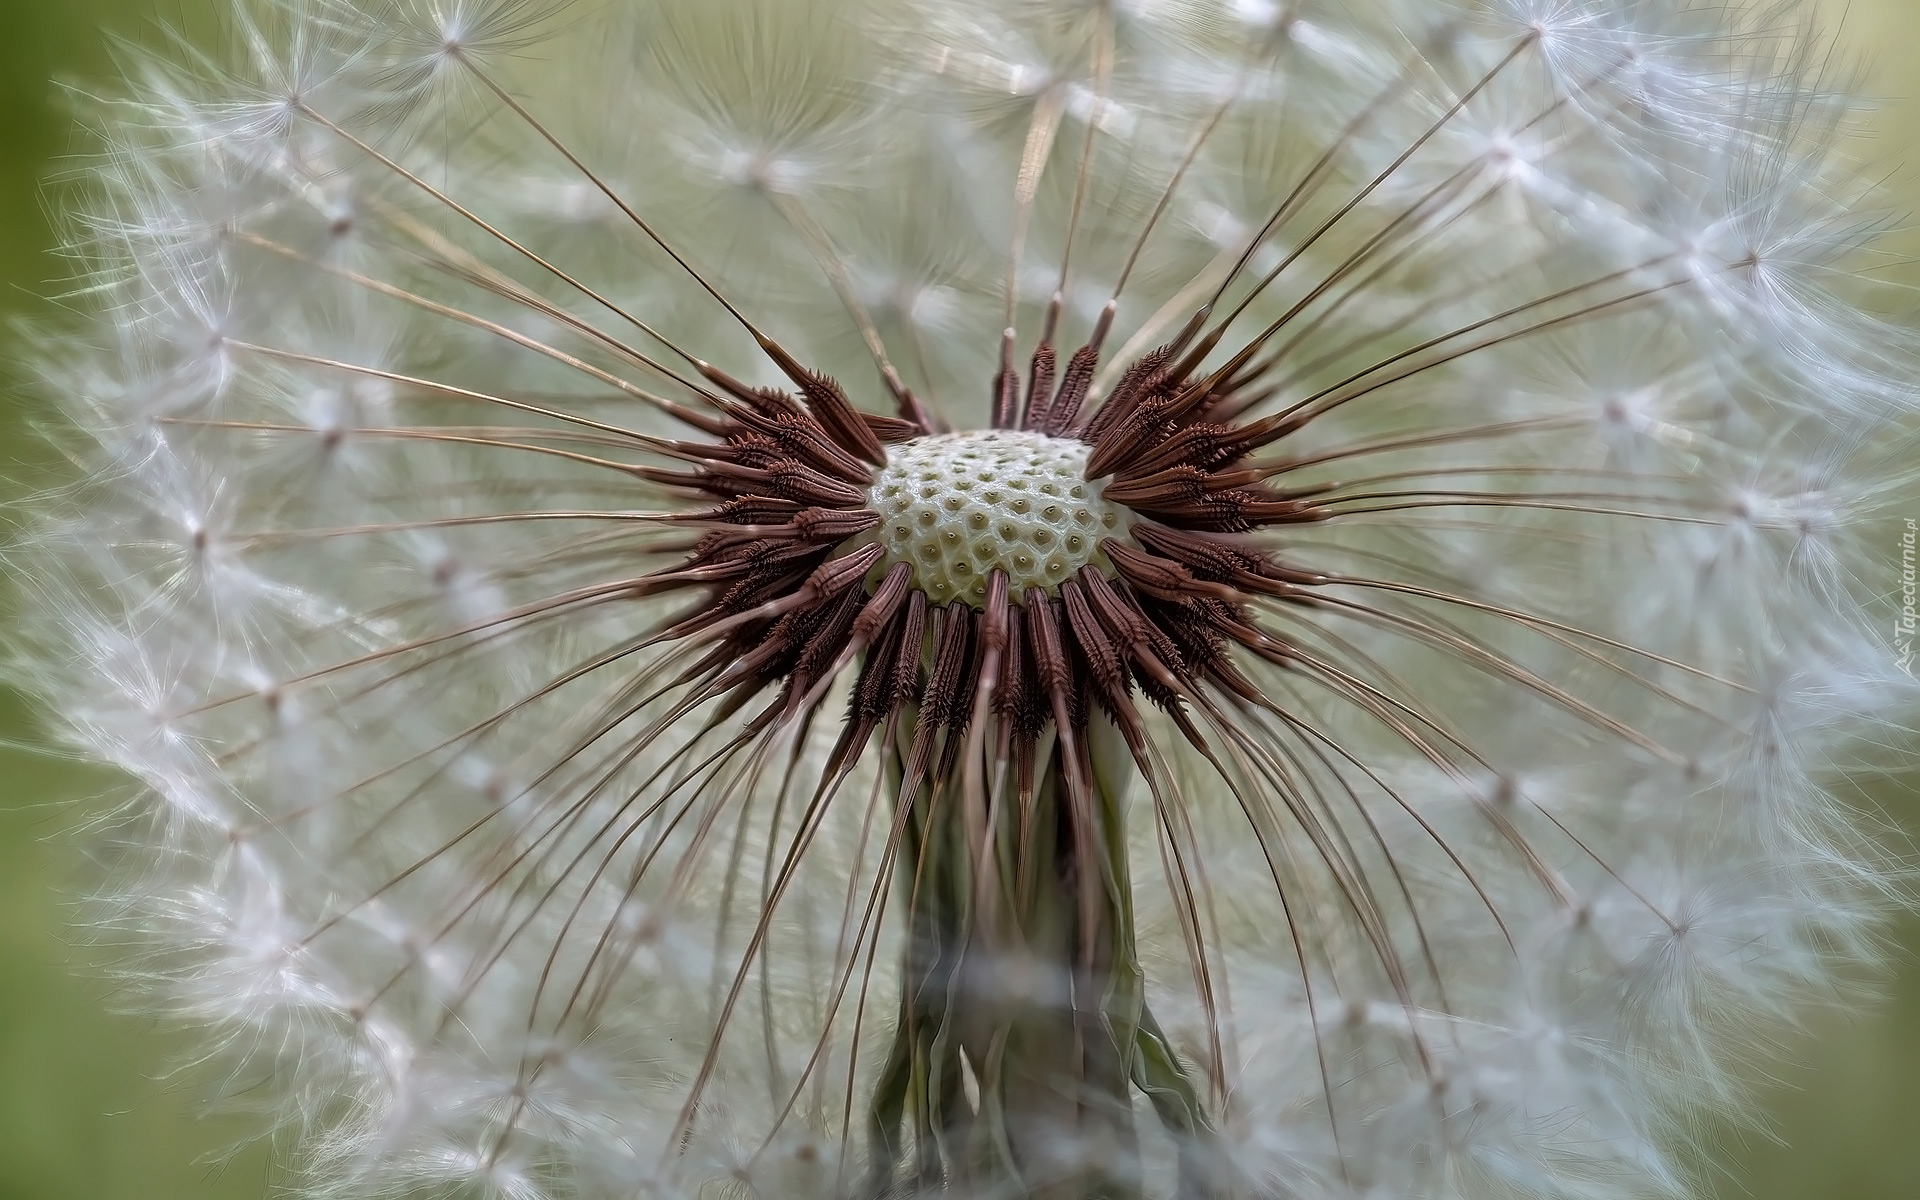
(398, 897)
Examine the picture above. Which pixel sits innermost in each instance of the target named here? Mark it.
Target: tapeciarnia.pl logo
(1903, 629)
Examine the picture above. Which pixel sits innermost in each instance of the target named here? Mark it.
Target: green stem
(1023, 1031)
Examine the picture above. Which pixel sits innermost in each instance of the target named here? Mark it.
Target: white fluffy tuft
(422, 845)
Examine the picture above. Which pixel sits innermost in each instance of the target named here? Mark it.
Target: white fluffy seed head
(958, 506)
(1509, 846)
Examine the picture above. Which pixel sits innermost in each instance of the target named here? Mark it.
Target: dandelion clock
(1053, 599)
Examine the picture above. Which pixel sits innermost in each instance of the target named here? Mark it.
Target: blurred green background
(87, 1111)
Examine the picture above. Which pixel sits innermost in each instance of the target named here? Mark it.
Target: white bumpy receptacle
(957, 506)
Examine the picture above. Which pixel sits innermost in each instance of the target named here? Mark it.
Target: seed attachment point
(956, 507)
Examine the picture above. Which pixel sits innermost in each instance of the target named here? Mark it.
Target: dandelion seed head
(753, 598)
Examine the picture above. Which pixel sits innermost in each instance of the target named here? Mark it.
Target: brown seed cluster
(797, 586)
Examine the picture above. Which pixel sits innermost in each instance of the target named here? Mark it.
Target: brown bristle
(1039, 388)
